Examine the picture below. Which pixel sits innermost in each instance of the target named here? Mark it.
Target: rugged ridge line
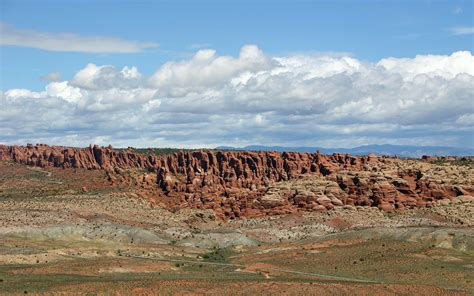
(236, 183)
(230, 166)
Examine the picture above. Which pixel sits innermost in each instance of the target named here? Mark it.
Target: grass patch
(220, 255)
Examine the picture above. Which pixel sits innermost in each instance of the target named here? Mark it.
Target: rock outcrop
(237, 183)
(93, 157)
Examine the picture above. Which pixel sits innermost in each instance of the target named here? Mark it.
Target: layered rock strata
(243, 183)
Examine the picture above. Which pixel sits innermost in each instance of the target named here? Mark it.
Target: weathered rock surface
(93, 157)
(245, 183)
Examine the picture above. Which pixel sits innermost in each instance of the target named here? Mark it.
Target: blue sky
(369, 30)
(210, 73)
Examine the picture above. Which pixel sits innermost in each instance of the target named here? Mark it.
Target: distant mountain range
(399, 150)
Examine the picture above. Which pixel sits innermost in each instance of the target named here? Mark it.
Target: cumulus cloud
(94, 77)
(429, 65)
(209, 100)
(69, 41)
(207, 69)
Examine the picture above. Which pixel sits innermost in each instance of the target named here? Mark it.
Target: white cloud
(207, 69)
(209, 100)
(11, 35)
(94, 77)
(64, 91)
(431, 65)
(461, 30)
(19, 93)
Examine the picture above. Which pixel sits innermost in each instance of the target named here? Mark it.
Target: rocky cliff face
(230, 168)
(243, 183)
(186, 172)
(93, 157)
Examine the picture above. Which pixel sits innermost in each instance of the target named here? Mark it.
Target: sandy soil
(58, 237)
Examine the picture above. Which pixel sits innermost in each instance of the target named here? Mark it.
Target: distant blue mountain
(399, 150)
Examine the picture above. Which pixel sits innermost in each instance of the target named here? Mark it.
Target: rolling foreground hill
(101, 220)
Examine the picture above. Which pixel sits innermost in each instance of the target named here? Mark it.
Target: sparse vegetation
(218, 255)
(458, 162)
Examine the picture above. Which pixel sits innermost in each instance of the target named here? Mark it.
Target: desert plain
(105, 221)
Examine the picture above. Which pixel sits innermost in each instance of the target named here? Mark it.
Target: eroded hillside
(243, 183)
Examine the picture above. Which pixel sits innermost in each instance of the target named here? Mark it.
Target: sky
(210, 73)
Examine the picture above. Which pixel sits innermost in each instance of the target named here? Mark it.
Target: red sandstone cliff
(233, 183)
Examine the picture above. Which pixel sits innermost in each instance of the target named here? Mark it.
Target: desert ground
(71, 231)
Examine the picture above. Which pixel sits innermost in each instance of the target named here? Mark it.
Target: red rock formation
(233, 183)
(93, 157)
